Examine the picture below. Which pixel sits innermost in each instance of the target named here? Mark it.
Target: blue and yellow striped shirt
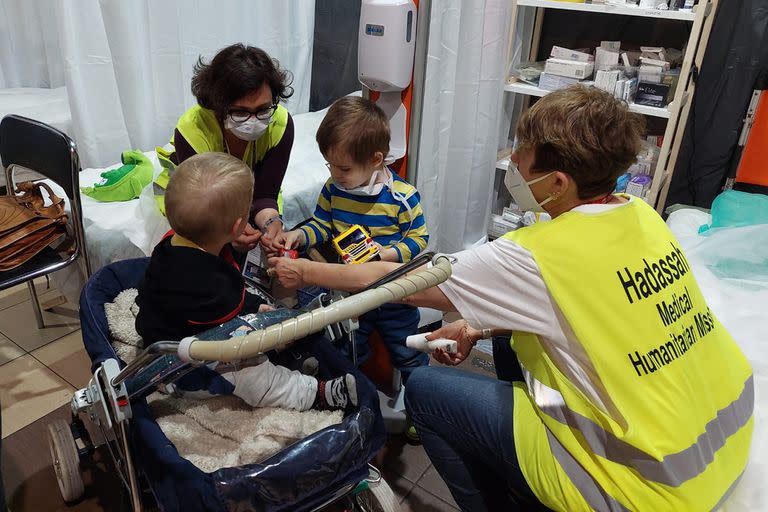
(387, 220)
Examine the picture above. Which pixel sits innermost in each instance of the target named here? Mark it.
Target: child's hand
(288, 240)
(264, 308)
(247, 240)
(289, 273)
(388, 253)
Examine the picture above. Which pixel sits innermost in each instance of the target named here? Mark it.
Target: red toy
(288, 253)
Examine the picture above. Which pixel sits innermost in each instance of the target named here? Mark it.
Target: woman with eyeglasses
(239, 112)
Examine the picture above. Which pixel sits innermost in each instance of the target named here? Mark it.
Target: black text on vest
(654, 276)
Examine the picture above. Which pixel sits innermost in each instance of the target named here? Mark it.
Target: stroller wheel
(378, 497)
(66, 461)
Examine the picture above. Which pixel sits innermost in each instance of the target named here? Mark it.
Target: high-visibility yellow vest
(674, 431)
(202, 131)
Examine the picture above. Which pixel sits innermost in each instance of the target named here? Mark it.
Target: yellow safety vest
(201, 130)
(676, 432)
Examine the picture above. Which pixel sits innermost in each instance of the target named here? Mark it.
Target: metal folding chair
(41, 148)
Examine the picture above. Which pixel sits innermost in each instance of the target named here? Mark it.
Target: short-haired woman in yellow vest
(239, 112)
(623, 391)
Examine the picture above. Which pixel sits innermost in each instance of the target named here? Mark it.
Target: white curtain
(127, 64)
(465, 72)
(29, 47)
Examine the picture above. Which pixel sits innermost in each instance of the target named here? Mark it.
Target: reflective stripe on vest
(202, 131)
(675, 432)
(674, 469)
(591, 491)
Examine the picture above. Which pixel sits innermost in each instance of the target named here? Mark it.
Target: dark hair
(355, 125)
(237, 71)
(584, 132)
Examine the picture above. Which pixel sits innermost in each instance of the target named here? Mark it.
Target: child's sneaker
(339, 393)
(411, 435)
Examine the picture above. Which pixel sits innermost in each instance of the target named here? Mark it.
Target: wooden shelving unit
(676, 113)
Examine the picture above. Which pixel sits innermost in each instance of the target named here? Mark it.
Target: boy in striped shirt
(354, 139)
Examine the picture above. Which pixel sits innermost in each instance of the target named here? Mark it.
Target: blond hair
(583, 132)
(206, 194)
(356, 126)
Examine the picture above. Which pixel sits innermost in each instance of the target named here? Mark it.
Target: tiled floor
(409, 472)
(39, 368)
(39, 371)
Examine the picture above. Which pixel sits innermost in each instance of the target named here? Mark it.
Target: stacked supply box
(654, 78)
(566, 67)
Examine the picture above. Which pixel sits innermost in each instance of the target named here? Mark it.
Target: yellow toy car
(355, 246)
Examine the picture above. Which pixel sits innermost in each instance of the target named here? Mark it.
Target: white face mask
(521, 189)
(374, 186)
(248, 130)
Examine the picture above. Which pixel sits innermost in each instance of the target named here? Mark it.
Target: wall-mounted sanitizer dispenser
(387, 39)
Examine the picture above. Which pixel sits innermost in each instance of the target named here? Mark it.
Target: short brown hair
(583, 132)
(206, 194)
(356, 126)
(237, 71)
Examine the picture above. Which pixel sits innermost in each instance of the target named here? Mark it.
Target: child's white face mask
(375, 185)
(249, 130)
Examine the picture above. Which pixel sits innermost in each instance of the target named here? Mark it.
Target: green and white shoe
(410, 432)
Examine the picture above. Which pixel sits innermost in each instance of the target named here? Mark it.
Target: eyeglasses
(241, 116)
(330, 167)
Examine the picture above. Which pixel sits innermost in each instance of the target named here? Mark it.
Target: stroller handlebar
(274, 336)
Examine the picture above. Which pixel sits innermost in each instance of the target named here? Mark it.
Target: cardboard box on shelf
(618, 91)
(664, 65)
(569, 68)
(611, 45)
(500, 225)
(550, 82)
(630, 89)
(605, 59)
(652, 95)
(639, 185)
(607, 80)
(559, 52)
(649, 74)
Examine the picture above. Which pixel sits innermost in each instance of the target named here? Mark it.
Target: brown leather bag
(27, 226)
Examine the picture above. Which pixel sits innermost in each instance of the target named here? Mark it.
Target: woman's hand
(289, 273)
(289, 239)
(265, 308)
(269, 239)
(247, 240)
(465, 336)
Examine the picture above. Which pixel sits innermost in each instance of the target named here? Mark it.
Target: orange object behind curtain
(753, 168)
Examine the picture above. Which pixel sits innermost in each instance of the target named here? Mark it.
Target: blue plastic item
(734, 209)
(622, 182)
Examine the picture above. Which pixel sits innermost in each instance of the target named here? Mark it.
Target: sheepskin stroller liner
(300, 477)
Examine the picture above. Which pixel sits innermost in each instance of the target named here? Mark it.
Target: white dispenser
(387, 38)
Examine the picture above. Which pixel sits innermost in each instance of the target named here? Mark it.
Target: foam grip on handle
(419, 342)
(263, 340)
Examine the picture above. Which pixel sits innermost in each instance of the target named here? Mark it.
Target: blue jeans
(465, 424)
(394, 322)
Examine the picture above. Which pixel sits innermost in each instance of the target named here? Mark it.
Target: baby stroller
(328, 466)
